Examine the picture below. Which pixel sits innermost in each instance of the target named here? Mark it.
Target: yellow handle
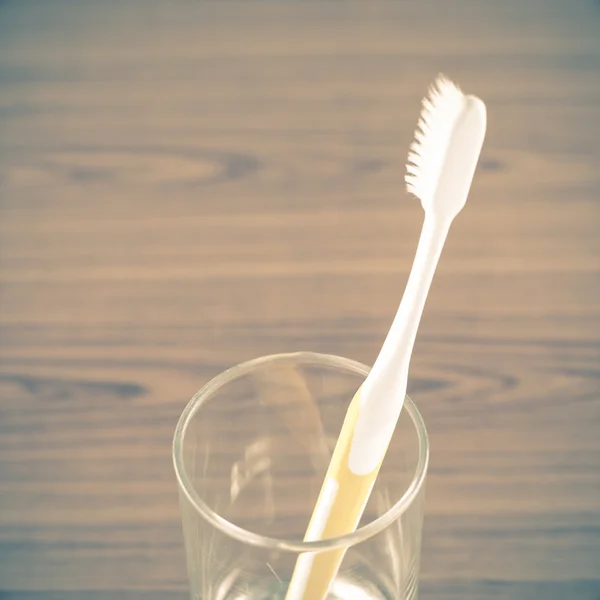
(339, 508)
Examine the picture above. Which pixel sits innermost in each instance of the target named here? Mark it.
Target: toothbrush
(441, 166)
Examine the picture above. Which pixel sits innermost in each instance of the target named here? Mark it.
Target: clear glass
(251, 450)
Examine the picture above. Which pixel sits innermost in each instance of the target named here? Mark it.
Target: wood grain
(184, 186)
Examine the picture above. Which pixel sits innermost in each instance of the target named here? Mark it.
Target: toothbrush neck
(403, 332)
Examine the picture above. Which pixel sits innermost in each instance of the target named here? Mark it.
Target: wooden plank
(184, 189)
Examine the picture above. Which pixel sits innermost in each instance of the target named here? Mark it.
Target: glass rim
(272, 543)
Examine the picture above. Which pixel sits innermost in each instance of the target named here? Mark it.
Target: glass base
(343, 588)
(348, 586)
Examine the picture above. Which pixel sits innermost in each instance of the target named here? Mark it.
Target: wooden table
(184, 186)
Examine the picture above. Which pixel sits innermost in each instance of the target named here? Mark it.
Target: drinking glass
(251, 450)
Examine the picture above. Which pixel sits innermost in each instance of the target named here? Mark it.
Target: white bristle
(440, 110)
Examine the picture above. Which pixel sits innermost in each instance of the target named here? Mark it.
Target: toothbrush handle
(403, 331)
(341, 503)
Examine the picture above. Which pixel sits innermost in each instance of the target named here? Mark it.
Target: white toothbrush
(442, 162)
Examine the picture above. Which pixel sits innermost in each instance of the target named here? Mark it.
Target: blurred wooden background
(187, 185)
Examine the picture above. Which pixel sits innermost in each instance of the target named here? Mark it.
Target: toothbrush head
(446, 148)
